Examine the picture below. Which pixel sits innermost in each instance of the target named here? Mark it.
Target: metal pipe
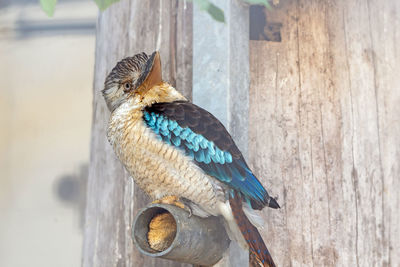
(200, 241)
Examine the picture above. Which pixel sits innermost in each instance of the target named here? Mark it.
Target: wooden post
(124, 29)
(324, 132)
(221, 79)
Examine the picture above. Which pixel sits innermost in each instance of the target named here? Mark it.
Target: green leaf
(48, 6)
(216, 12)
(259, 2)
(103, 4)
(202, 4)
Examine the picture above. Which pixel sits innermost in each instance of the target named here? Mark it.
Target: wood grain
(324, 124)
(324, 118)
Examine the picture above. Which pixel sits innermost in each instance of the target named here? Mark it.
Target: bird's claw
(186, 204)
(182, 203)
(189, 209)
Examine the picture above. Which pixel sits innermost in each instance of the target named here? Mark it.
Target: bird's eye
(127, 86)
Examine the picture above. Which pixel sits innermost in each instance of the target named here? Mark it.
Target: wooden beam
(325, 103)
(221, 79)
(124, 29)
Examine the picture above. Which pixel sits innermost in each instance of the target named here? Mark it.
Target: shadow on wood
(194, 240)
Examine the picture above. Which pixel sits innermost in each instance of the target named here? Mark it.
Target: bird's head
(132, 77)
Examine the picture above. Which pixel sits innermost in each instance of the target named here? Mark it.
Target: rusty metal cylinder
(200, 241)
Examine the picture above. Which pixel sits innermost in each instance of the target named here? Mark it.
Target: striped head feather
(138, 79)
(120, 82)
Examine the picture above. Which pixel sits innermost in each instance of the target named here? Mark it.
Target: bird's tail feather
(250, 233)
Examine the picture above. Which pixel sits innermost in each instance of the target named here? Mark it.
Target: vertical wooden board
(105, 240)
(274, 134)
(366, 173)
(321, 103)
(183, 34)
(312, 43)
(266, 136)
(335, 130)
(221, 80)
(384, 27)
(124, 29)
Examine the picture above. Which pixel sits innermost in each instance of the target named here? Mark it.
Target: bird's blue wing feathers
(203, 138)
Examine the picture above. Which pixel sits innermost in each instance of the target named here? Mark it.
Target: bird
(178, 153)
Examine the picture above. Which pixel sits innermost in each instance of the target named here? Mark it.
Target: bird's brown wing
(203, 137)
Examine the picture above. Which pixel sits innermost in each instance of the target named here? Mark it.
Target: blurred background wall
(46, 76)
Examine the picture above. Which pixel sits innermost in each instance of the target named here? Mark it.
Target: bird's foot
(176, 201)
(170, 200)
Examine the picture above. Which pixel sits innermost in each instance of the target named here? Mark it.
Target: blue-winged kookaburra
(179, 153)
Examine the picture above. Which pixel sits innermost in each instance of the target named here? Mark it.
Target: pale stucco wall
(45, 116)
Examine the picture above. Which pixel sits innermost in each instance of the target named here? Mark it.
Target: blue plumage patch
(214, 161)
(194, 145)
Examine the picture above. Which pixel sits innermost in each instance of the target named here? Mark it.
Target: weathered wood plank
(125, 29)
(324, 123)
(221, 80)
(384, 28)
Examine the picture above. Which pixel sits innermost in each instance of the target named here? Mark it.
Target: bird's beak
(151, 74)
